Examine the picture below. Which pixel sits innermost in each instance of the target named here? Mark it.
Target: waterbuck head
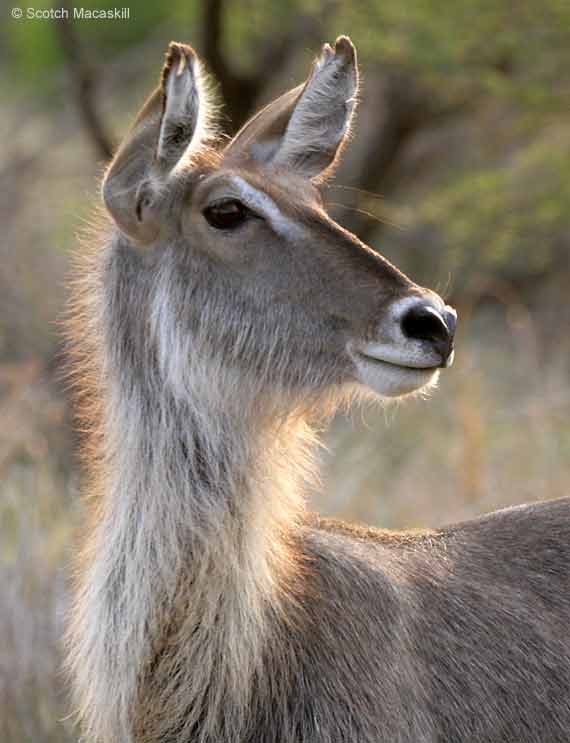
(247, 278)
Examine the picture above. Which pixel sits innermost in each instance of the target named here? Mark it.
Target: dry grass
(35, 526)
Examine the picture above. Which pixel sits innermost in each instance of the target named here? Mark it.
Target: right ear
(170, 127)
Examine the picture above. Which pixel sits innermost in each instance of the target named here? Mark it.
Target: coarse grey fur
(209, 606)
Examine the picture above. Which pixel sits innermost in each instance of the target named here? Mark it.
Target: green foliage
(146, 19)
(464, 48)
(508, 219)
(34, 51)
(32, 48)
(521, 49)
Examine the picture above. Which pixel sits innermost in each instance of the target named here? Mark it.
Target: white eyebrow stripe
(260, 202)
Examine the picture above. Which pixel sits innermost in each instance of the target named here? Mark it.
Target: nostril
(423, 322)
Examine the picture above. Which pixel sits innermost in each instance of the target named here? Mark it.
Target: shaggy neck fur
(199, 484)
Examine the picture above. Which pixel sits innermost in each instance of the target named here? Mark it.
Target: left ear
(307, 128)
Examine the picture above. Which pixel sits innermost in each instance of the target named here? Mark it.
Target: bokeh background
(459, 172)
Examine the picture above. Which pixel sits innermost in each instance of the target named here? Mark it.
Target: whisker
(445, 289)
(361, 191)
(381, 220)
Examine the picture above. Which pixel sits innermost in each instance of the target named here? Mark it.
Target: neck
(190, 545)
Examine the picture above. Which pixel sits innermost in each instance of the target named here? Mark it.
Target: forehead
(279, 184)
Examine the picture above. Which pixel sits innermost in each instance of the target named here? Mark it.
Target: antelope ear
(307, 128)
(165, 133)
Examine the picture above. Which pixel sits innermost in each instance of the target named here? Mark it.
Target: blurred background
(459, 172)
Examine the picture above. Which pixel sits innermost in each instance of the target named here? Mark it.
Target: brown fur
(209, 606)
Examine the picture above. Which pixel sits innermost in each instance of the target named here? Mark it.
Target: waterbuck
(224, 317)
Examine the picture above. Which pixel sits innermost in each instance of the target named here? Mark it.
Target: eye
(226, 214)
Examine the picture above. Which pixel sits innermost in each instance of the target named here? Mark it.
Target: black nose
(423, 322)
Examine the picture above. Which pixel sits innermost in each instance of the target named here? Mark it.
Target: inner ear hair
(319, 126)
(180, 85)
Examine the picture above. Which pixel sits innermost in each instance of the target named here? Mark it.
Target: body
(461, 632)
(222, 318)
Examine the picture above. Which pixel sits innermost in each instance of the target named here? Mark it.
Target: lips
(397, 365)
(414, 366)
(414, 357)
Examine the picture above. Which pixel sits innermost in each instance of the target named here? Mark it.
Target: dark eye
(227, 214)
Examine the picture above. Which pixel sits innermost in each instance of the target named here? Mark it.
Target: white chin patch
(390, 380)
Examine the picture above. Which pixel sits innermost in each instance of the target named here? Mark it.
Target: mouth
(392, 373)
(412, 364)
(403, 366)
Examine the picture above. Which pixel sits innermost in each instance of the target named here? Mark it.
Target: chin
(392, 381)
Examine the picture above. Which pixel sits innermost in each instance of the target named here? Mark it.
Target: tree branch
(83, 79)
(242, 92)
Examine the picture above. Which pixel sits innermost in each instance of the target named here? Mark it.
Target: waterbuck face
(248, 266)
